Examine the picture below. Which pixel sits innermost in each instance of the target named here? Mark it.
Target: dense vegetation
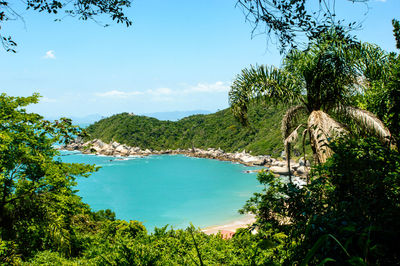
(218, 130)
(347, 214)
(317, 85)
(43, 221)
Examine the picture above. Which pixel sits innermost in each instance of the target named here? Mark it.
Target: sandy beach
(232, 226)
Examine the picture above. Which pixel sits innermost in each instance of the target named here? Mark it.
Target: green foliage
(292, 20)
(348, 214)
(218, 130)
(43, 221)
(396, 32)
(382, 93)
(37, 199)
(113, 244)
(314, 84)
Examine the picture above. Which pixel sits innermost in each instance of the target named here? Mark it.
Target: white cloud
(118, 94)
(218, 86)
(167, 94)
(50, 55)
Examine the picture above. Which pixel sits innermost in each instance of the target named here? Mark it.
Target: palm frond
(291, 117)
(367, 121)
(292, 138)
(263, 84)
(323, 129)
(372, 63)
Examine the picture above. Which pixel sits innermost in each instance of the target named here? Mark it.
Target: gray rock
(280, 170)
(281, 164)
(109, 151)
(134, 150)
(301, 170)
(294, 165)
(98, 143)
(115, 144)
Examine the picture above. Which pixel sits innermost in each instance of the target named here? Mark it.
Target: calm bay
(166, 189)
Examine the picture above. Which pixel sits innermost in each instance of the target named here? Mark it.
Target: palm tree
(318, 84)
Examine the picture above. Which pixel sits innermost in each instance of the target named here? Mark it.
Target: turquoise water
(166, 189)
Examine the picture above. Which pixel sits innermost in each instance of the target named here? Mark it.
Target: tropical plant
(348, 214)
(318, 83)
(381, 90)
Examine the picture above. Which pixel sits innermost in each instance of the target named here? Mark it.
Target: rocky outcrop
(280, 170)
(114, 148)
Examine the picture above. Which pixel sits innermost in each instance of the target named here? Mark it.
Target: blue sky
(178, 55)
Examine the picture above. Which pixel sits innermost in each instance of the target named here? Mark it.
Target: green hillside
(217, 130)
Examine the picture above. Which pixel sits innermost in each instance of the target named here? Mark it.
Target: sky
(177, 56)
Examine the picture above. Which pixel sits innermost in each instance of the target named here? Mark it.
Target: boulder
(118, 148)
(109, 151)
(218, 153)
(122, 150)
(259, 161)
(115, 144)
(281, 164)
(134, 150)
(280, 170)
(294, 165)
(246, 158)
(238, 155)
(98, 143)
(249, 159)
(96, 149)
(105, 147)
(302, 170)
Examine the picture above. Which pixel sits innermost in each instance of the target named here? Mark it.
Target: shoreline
(279, 167)
(231, 226)
(227, 229)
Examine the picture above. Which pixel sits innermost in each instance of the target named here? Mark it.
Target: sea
(173, 190)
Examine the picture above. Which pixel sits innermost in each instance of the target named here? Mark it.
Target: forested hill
(217, 130)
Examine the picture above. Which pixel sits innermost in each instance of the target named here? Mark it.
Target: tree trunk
(288, 162)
